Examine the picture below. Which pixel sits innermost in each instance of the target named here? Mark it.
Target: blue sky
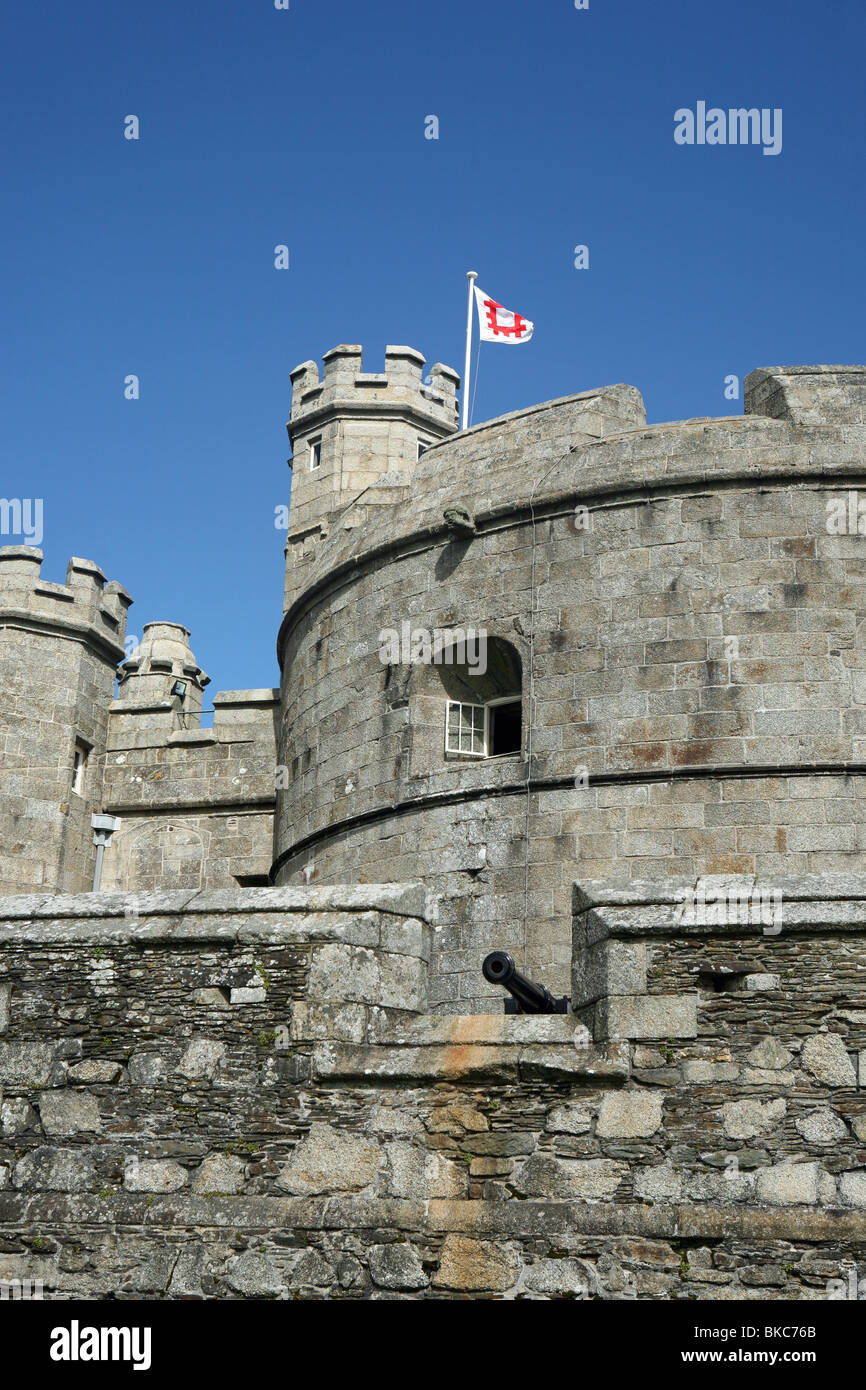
(306, 127)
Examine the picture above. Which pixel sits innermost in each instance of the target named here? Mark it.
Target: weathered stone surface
(221, 1173)
(93, 1072)
(648, 1016)
(414, 1173)
(546, 1176)
(786, 1184)
(64, 1113)
(28, 1064)
(397, 1266)
(824, 1055)
(760, 1076)
(471, 1265)
(702, 1073)
(732, 1184)
(770, 1055)
(5, 1006)
(189, 1270)
(559, 1277)
(311, 1270)
(648, 1057)
(201, 1059)
(212, 998)
(822, 1127)
(659, 1183)
(365, 976)
(571, 1118)
(250, 994)
(154, 1175)
(629, 1114)
(255, 1276)
(852, 1189)
(331, 1160)
(858, 1124)
(147, 1068)
(16, 1116)
(55, 1170)
(500, 1142)
(744, 1119)
(516, 1162)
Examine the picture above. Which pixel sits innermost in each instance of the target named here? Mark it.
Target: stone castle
(585, 689)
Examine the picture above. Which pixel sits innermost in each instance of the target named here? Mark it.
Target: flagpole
(471, 276)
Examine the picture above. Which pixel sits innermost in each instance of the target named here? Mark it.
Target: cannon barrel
(530, 998)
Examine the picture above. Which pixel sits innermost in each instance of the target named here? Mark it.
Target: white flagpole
(472, 276)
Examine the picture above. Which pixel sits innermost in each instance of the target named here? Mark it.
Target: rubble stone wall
(244, 1094)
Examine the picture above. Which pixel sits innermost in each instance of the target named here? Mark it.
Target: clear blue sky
(306, 127)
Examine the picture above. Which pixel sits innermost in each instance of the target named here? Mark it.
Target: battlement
(346, 388)
(239, 716)
(820, 395)
(86, 599)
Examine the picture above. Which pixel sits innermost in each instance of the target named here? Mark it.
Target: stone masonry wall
(244, 1095)
(196, 805)
(59, 648)
(714, 642)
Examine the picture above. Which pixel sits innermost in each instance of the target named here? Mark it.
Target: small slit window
(423, 446)
(315, 453)
(79, 766)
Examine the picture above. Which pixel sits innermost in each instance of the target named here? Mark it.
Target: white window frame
(459, 705)
(315, 454)
(485, 736)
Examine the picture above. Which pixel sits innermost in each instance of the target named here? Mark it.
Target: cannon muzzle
(526, 996)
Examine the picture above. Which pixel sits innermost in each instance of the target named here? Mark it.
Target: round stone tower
(581, 647)
(59, 649)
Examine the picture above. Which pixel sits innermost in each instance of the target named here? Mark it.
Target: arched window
(483, 706)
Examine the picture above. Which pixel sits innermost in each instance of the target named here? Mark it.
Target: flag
(496, 324)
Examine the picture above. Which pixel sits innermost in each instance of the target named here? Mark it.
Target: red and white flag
(496, 324)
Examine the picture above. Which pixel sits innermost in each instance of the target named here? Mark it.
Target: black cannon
(526, 996)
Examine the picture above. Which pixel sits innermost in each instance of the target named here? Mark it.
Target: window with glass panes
(466, 729)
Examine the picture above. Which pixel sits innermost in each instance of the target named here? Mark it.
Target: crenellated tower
(356, 437)
(59, 649)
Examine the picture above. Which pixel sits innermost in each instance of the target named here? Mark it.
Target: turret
(160, 684)
(356, 436)
(59, 649)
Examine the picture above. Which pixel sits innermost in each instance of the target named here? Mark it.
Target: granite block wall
(245, 1095)
(687, 609)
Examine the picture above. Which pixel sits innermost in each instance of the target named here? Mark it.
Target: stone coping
(408, 936)
(641, 892)
(481, 1219)
(500, 1062)
(401, 899)
(810, 904)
